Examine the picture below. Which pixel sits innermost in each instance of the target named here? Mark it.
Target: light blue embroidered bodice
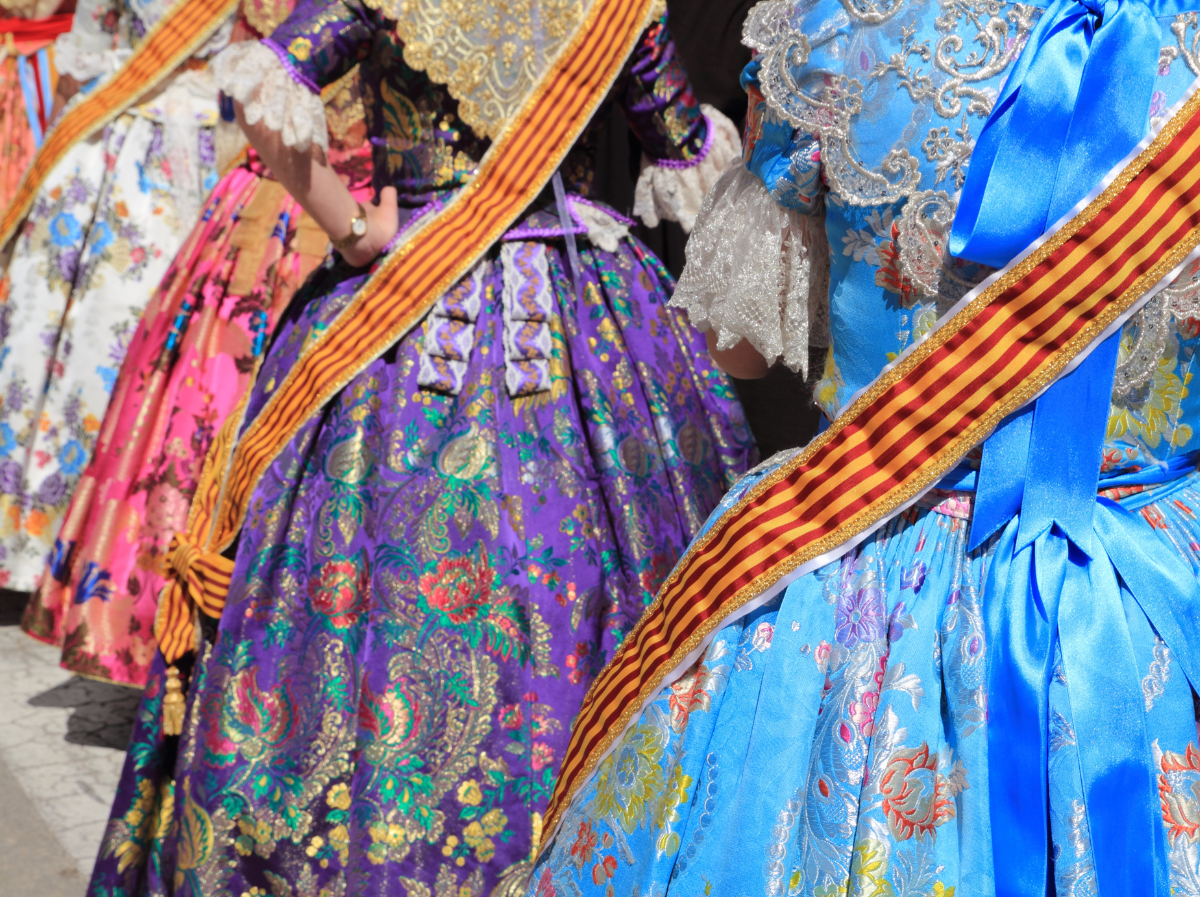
(875, 109)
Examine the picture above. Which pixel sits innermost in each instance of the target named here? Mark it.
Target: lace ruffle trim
(269, 92)
(757, 271)
(82, 59)
(673, 193)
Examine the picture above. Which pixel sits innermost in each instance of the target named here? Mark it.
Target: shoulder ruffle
(80, 57)
(256, 77)
(757, 271)
(673, 191)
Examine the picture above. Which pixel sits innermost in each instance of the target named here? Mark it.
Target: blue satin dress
(839, 740)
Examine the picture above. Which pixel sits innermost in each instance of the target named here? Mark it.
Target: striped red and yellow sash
(517, 167)
(911, 426)
(175, 37)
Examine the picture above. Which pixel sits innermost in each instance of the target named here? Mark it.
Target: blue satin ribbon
(1077, 101)
(1067, 569)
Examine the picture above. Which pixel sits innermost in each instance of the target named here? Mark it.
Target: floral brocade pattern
(191, 360)
(100, 236)
(840, 732)
(441, 560)
(424, 590)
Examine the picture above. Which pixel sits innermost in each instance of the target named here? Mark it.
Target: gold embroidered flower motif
(631, 780)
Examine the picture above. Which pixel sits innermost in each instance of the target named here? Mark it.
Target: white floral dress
(101, 234)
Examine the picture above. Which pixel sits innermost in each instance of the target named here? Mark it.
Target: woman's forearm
(308, 176)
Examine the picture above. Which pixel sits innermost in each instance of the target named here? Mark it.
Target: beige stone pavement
(62, 743)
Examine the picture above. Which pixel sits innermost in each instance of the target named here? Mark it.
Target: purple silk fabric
(424, 589)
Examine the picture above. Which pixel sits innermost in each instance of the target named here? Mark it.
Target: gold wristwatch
(358, 230)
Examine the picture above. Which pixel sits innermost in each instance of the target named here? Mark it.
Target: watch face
(358, 227)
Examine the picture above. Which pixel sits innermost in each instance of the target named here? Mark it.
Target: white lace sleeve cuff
(673, 192)
(83, 58)
(270, 92)
(757, 271)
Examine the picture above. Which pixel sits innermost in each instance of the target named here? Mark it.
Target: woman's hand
(66, 88)
(383, 221)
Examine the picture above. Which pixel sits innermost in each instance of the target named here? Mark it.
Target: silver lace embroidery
(758, 271)
(947, 77)
(924, 235)
(1151, 327)
(1186, 47)
(1154, 683)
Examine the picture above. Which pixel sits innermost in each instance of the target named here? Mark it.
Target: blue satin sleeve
(787, 161)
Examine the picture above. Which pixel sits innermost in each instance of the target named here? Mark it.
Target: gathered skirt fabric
(427, 582)
(16, 136)
(834, 741)
(103, 230)
(188, 365)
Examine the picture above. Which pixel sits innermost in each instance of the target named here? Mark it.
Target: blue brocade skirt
(835, 740)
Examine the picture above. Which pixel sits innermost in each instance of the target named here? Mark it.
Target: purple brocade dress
(439, 563)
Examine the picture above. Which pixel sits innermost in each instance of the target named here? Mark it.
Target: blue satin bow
(1067, 569)
(1077, 101)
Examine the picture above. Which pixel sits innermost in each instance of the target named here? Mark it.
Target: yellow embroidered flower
(493, 822)
(338, 797)
(396, 836)
(869, 868)
(378, 832)
(339, 840)
(797, 878)
(301, 49)
(473, 834)
(485, 851)
(469, 793)
(631, 779)
(448, 847)
(672, 796)
(828, 386)
(1149, 413)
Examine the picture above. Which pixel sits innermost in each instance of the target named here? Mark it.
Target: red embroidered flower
(1180, 811)
(653, 574)
(889, 276)
(915, 796)
(541, 756)
(339, 592)
(511, 717)
(545, 888)
(584, 843)
(688, 694)
(459, 588)
(605, 870)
